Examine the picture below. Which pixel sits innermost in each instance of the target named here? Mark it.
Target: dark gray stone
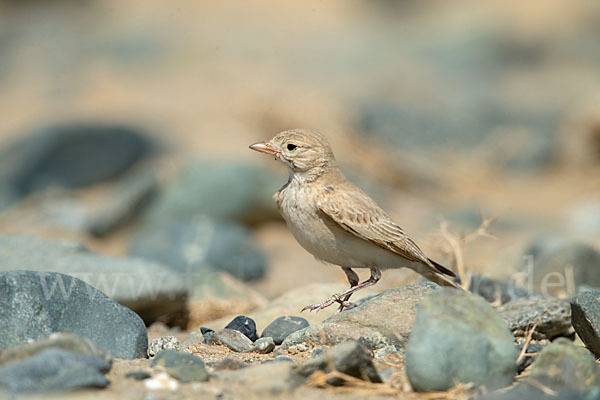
(459, 337)
(283, 326)
(148, 288)
(528, 359)
(180, 365)
(33, 305)
(586, 319)
(54, 370)
(235, 340)
(563, 364)
(71, 155)
(245, 325)
(552, 316)
(228, 363)
(223, 189)
(66, 341)
(351, 358)
(381, 320)
(493, 290)
(222, 245)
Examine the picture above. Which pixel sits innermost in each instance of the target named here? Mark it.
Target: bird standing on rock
(337, 222)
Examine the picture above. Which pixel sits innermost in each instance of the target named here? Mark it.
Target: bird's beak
(264, 147)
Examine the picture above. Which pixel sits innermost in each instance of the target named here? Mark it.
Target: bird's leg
(353, 280)
(373, 279)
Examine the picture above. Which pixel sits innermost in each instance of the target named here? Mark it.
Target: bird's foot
(344, 304)
(333, 299)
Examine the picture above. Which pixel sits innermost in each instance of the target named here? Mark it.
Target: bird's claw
(333, 299)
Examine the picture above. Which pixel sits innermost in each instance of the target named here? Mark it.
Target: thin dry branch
(458, 244)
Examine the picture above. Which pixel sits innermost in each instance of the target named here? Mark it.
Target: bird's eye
(291, 147)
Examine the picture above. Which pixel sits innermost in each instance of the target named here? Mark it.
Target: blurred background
(126, 125)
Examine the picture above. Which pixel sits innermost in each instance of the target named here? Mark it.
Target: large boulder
(33, 305)
(459, 337)
(381, 320)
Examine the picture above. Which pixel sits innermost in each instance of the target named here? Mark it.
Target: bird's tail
(440, 275)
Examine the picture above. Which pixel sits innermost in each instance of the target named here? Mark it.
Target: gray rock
(138, 375)
(562, 364)
(493, 290)
(223, 189)
(181, 365)
(199, 243)
(283, 326)
(350, 358)
(586, 319)
(459, 337)
(228, 363)
(164, 343)
(149, 289)
(381, 320)
(34, 305)
(70, 155)
(66, 341)
(557, 260)
(270, 378)
(235, 340)
(552, 316)
(125, 201)
(264, 345)
(530, 392)
(245, 325)
(54, 370)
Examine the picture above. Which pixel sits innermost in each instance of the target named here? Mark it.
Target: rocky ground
(142, 256)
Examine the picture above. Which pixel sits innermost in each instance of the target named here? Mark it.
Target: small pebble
(264, 345)
(205, 330)
(283, 326)
(163, 343)
(161, 381)
(317, 352)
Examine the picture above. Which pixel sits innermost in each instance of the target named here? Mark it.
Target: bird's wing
(358, 214)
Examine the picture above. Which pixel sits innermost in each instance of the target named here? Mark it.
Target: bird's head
(302, 150)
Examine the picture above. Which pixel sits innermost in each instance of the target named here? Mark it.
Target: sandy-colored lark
(336, 221)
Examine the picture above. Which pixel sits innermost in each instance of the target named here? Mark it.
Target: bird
(336, 221)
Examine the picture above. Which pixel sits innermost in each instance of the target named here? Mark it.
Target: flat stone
(71, 155)
(552, 316)
(350, 358)
(180, 365)
(34, 305)
(382, 320)
(586, 319)
(54, 369)
(235, 340)
(459, 337)
(59, 340)
(148, 288)
(245, 325)
(283, 326)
